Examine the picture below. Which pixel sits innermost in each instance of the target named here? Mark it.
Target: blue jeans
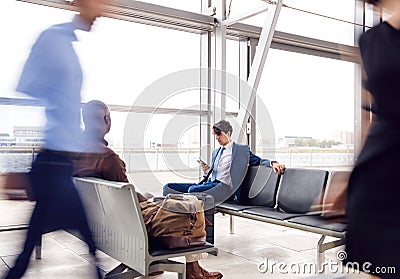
(220, 192)
(188, 187)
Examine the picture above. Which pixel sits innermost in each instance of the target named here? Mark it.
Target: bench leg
(231, 225)
(322, 247)
(320, 254)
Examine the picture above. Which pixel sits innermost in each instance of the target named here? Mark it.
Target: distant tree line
(300, 142)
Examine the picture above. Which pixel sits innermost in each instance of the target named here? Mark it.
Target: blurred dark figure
(373, 206)
(53, 75)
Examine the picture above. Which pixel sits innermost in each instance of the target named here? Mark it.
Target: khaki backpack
(176, 220)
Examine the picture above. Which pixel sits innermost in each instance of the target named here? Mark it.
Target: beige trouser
(196, 257)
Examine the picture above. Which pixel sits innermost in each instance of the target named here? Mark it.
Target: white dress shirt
(224, 165)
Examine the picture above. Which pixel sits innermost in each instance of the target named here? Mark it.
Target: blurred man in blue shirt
(53, 75)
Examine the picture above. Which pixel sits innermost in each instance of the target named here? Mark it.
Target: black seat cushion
(337, 225)
(259, 186)
(157, 250)
(232, 206)
(299, 188)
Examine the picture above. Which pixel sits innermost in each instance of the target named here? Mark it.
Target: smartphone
(200, 161)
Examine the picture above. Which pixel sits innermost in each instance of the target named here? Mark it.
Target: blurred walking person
(374, 187)
(53, 75)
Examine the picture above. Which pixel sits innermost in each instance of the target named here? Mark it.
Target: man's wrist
(272, 163)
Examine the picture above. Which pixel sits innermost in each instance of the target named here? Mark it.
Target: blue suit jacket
(241, 159)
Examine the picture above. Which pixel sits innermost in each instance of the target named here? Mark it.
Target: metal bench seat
(286, 200)
(116, 221)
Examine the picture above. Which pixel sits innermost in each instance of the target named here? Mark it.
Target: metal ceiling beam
(296, 43)
(151, 14)
(145, 13)
(4, 101)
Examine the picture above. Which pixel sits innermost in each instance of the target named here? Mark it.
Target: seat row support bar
(122, 272)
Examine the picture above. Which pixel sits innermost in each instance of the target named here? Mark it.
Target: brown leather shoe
(203, 274)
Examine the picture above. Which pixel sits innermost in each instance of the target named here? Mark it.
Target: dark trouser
(58, 206)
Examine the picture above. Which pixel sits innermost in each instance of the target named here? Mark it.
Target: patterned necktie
(214, 173)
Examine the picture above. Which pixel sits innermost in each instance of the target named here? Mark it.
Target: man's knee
(166, 189)
(192, 189)
(196, 188)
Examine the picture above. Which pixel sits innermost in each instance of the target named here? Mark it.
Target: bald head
(96, 117)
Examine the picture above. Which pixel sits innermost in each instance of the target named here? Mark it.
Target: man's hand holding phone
(203, 165)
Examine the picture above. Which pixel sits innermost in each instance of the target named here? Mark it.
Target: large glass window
(309, 99)
(21, 134)
(233, 69)
(21, 23)
(120, 60)
(162, 148)
(311, 104)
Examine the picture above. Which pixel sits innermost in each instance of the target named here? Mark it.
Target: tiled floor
(240, 254)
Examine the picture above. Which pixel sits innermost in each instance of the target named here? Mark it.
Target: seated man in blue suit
(229, 167)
